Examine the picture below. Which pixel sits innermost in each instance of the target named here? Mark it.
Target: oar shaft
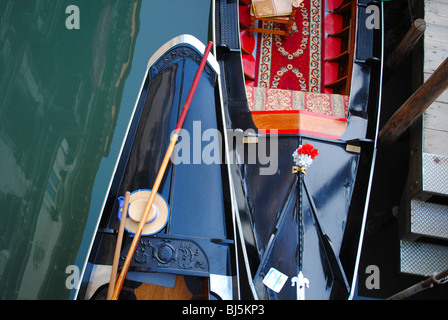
(160, 174)
(149, 204)
(183, 115)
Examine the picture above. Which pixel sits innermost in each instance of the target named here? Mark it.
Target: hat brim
(158, 223)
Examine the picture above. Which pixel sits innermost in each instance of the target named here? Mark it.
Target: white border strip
(184, 39)
(372, 168)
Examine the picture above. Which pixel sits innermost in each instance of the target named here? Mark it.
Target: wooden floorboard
(435, 118)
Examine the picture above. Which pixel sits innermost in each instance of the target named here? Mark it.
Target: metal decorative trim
(168, 255)
(179, 53)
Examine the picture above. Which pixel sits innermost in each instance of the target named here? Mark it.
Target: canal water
(70, 72)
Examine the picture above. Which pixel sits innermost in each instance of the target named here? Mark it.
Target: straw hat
(157, 217)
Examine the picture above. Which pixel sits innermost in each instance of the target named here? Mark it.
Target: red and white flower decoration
(304, 155)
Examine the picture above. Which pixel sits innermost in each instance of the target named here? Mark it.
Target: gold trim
(296, 169)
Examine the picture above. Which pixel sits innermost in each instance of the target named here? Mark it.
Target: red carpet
(294, 64)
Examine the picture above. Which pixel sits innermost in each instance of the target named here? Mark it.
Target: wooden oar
(113, 275)
(160, 175)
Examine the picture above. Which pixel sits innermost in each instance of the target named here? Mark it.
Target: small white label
(275, 280)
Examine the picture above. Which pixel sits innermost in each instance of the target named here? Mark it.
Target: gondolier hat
(157, 217)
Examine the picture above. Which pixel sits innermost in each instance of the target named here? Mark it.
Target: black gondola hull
(334, 194)
(198, 239)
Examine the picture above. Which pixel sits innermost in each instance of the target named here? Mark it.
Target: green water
(66, 96)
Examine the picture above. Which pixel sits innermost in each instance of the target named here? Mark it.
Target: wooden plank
(414, 107)
(337, 82)
(436, 20)
(433, 58)
(434, 142)
(434, 53)
(436, 43)
(339, 57)
(433, 4)
(436, 17)
(154, 292)
(436, 29)
(436, 12)
(436, 40)
(299, 121)
(435, 129)
(436, 117)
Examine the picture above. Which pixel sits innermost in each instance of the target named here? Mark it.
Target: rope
(439, 281)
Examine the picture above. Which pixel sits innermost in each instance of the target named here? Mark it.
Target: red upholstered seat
(249, 66)
(245, 1)
(247, 42)
(330, 74)
(333, 4)
(244, 16)
(333, 23)
(332, 47)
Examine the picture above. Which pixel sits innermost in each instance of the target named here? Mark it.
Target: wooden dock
(424, 214)
(429, 154)
(435, 118)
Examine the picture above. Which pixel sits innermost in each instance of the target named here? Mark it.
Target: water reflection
(66, 97)
(61, 92)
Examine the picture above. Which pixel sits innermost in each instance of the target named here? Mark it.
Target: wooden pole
(160, 175)
(113, 275)
(406, 115)
(416, 288)
(406, 45)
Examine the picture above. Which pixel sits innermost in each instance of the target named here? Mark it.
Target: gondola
(187, 247)
(301, 234)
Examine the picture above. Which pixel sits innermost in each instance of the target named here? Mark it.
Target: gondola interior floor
(286, 77)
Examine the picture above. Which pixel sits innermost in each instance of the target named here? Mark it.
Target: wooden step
(337, 83)
(343, 33)
(180, 292)
(343, 9)
(300, 122)
(339, 57)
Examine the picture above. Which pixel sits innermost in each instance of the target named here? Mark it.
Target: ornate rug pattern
(294, 64)
(268, 99)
